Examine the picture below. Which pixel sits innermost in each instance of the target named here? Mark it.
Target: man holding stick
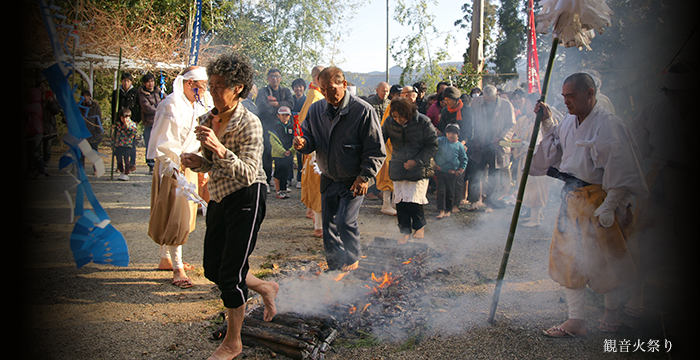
(591, 150)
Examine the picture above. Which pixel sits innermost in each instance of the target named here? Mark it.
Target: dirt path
(107, 312)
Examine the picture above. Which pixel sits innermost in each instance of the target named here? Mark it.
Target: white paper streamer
(93, 156)
(189, 191)
(574, 21)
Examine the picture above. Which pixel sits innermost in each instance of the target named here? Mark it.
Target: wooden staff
(523, 182)
(114, 115)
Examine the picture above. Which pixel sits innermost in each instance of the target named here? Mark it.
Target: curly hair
(236, 69)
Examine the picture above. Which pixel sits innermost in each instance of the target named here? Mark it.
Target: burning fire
(384, 281)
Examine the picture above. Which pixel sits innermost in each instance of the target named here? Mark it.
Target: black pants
(446, 186)
(410, 216)
(485, 179)
(284, 167)
(232, 231)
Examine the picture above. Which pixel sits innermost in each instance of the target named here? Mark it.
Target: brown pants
(173, 217)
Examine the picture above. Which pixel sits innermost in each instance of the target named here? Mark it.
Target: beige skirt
(173, 217)
(583, 252)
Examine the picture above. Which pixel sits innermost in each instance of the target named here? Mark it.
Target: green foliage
(413, 51)
(512, 39)
(290, 35)
(465, 80)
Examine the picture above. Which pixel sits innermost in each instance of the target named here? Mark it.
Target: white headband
(195, 74)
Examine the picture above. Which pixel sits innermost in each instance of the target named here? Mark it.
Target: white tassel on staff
(573, 21)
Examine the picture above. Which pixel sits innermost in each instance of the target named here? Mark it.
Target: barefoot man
(345, 133)
(231, 152)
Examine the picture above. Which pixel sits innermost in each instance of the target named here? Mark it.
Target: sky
(364, 50)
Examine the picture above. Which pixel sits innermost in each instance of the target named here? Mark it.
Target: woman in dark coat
(414, 143)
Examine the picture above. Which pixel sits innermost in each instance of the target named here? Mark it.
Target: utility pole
(476, 41)
(387, 42)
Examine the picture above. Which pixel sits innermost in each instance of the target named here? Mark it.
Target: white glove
(606, 211)
(167, 168)
(547, 124)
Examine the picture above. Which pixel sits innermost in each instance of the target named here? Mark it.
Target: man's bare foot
(310, 214)
(476, 206)
(455, 209)
(340, 276)
(420, 233)
(318, 232)
(346, 269)
(227, 350)
(443, 214)
(404, 239)
(571, 327)
(351, 267)
(269, 293)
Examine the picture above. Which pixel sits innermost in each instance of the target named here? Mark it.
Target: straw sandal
(564, 333)
(183, 283)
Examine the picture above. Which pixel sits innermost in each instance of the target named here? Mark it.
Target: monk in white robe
(594, 151)
(173, 217)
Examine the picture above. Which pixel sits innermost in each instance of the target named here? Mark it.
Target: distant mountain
(367, 82)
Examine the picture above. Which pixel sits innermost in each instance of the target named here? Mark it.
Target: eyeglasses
(275, 76)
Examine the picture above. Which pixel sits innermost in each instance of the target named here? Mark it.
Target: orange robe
(384, 183)
(310, 180)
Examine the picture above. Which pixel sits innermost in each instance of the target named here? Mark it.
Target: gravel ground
(108, 312)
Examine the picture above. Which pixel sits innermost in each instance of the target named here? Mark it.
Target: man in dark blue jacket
(345, 133)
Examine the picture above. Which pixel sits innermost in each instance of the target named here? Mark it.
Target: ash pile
(383, 297)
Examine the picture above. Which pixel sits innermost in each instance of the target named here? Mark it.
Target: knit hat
(453, 128)
(284, 110)
(452, 93)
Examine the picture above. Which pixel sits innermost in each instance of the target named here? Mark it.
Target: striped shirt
(242, 165)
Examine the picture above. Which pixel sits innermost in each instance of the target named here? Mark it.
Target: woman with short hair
(231, 152)
(414, 142)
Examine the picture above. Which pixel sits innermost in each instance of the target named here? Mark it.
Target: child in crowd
(451, 161)
(124, 138)
(281, 138)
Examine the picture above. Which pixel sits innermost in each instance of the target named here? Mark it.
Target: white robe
(173, 130)
(600, 150)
